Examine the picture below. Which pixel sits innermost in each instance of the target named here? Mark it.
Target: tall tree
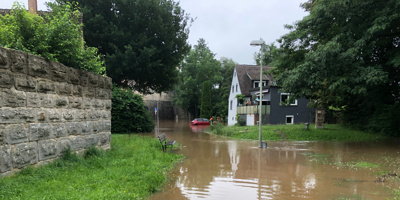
(220, 96)
(346, 55)
(206, 106)
(143, 40)
(268, 54)
(199, 66)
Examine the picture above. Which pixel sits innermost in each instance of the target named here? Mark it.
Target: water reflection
(221, 168)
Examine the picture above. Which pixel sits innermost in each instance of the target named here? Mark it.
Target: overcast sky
(228, 26)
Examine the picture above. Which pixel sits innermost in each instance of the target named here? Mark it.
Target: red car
(200, 121)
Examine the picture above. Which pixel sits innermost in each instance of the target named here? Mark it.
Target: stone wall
(46, 107)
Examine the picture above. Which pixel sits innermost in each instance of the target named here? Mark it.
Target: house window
(285, 100)
(231, 105)
(256, 84)
(289, 119)
(233, 89)
(236, 87)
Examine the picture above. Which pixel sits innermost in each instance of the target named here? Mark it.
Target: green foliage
(268, 54)
(143, 40)
(129, 114)
(206, 106)
(55, 36)
(134, 168)
(345, 54)
(240, 98)
(199, 66)
(220, 96)
(240, 121)
(92, 152)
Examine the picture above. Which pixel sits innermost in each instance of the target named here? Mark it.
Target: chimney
(32, 6)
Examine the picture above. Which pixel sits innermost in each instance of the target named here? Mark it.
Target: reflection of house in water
(233, 156)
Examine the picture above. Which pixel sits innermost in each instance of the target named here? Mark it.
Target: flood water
(222, 168)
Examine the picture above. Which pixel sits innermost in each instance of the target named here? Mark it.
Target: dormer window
(256, 84)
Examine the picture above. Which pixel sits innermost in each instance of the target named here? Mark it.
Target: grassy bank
(134, 168)
(295, 132)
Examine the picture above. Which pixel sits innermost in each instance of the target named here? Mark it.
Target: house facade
(278, 107)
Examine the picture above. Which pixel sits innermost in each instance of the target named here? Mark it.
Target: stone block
(16, 133)
(38, 66)
(98, 104)
(6, 79)
(62, 145)
(59, 130)
(107, 126)
(25, 83)
(47, 101)
(47, 149)
(41, 131)
(5, 158)
(4, 58)
(103, 93)
(24, 154)
(92, 140)
(78, 143)
(82, 115)
(53, 115)
(58, 72)
(93, 79)
(77, 90)
(74, 76)
(87, 128)
(68, 115)
(27, 115)
(108, 82)
(64, 89)
(8, 115)
(101, 125)
(32, 100)
(106, 115)
(94, 115)
(2, 135)
(101, 82)
(13, 98)
(84, 78)
(87, 103)
(62, 102)
(19, 61)
(104, 138)
(95, 127)
(107, 104)
(74, 128)
(75, 102)
(89, 92)
(46, 87)
(42, 115)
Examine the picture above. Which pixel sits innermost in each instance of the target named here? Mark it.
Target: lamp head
(257, 42)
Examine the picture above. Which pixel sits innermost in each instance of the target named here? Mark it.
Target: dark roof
(248, 73)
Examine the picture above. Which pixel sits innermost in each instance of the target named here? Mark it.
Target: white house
(276, 107)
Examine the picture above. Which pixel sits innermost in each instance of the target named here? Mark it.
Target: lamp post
(261, 44)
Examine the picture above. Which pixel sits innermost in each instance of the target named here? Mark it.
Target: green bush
(128, 114)
(56, 36)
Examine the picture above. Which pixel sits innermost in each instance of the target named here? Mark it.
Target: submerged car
(200, 121)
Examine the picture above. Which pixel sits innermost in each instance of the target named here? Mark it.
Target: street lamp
(260, 43)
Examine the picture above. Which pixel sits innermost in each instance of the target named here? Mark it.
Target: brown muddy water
(222, 168)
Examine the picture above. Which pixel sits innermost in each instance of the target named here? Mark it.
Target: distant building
(278, 108)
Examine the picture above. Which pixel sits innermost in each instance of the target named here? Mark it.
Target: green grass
(134, 168)
(296, 132)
